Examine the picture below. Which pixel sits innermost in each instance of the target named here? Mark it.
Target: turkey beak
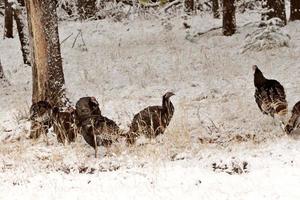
(170, 94)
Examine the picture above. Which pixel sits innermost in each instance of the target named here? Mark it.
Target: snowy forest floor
(218, 145)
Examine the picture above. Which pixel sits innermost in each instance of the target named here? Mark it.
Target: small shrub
(268, 36)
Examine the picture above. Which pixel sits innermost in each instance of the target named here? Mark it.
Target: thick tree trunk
(215, 8)
(47, 72)
(274, 9)
(86, 8)
(8, 20)
(295, 10)
(48, 77)
(22, 26)
(189, 6)
(229, 22)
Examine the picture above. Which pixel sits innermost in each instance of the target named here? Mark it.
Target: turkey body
(87, 107)
(269, 95)
(41, 118)
(96, 129)
(64, 125)
(152, 121)
(294, 121)
(100, 131)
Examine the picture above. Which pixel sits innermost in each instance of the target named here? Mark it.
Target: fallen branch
(126, 2)
(212, 29)
(191, 38)
(170, 5)
(152, 5)
(76, 38)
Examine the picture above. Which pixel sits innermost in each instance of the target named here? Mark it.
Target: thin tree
(1, 72)
(229, 22)
(8, 20)
(47, 71)
(215, 8)
(274, 9)
(22, 27)
(3, 80)
(295, 10)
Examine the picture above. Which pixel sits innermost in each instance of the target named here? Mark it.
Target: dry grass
(22, 114)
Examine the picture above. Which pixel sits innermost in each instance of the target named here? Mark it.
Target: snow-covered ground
(218, 145)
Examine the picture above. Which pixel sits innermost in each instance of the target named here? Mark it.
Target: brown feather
(269, 95)
(152, 121)
(41, 120)
(96, 129)
(294, 121)
(64, 125)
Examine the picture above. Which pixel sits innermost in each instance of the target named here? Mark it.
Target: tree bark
(274, 9)
(8, 20)
(215, 8)
(22, 27)
(189, 6)
(229, 22)
(86, 8)
(295, 10)
(47, 71)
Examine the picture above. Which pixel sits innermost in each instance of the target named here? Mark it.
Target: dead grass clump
(22, 114)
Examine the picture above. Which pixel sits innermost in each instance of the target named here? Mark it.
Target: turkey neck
(259, 79)
(167, 105)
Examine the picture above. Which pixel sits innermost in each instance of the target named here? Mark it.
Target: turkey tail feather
(280, 107)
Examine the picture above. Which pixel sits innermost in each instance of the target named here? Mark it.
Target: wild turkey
(294, 121)
(99, 131)
(269, 95)
(96, 129)
(152, 121)
(86, 107)
(41, 119)
(64, 125)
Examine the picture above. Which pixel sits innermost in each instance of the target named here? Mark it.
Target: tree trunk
(22, 27)
(47, 71)
(86, 8)
(295, 10)
(274, 8)
(1, 72)
(8, 20)
(229, 22)
(189, 6)
(1, 7)
(215, 8)
(3, 81)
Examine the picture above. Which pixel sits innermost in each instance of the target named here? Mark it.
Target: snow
(129, 65)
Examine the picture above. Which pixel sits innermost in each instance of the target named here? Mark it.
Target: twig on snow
(66, 39)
